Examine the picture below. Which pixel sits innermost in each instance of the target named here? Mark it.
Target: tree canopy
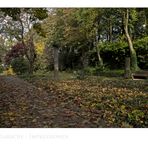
(84, 36)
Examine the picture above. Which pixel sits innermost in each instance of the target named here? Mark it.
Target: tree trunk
(56, 64)
(110, 30)
(84, 64)
(30, 54)
(84, 60)
(146, 22)
(30, 68)
(134, 64)
(100, 61)
(127, 68)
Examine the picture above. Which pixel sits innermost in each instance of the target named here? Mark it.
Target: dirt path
(24, 105)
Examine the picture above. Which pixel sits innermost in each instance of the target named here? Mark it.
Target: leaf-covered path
(24, 105)
(73, 103)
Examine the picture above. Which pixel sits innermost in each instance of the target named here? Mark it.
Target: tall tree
(129, 40)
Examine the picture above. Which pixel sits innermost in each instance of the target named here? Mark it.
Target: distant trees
(26, 19)
(79, 37)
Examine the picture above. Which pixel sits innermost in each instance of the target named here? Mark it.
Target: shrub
(113, 54)
(89, 70)
(19, 65)
(79, 74)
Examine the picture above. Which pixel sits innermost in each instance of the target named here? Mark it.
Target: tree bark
(146, 22)
(127, 68)
(110, 30)
(30, 68)
(30, 54)
(133, 55)
(56, 64)
(100, 61)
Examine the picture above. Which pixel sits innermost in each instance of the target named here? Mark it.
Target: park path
(25, 105)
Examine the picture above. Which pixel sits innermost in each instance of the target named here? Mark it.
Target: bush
(40, 64)
(79, 74)
(100, 69)
(89, 71)
(113, 54)
(19, 65)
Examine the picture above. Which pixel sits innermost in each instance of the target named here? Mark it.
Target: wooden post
(56, 63)
(127, 68)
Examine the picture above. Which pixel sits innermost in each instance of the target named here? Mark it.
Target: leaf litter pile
(73, 103)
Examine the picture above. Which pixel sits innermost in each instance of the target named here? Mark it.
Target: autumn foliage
(17, 50)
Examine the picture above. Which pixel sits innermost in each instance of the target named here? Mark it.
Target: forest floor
(92, 102)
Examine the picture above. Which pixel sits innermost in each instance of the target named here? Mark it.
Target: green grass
(112, 73)
(107, 74)
(48, 75)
